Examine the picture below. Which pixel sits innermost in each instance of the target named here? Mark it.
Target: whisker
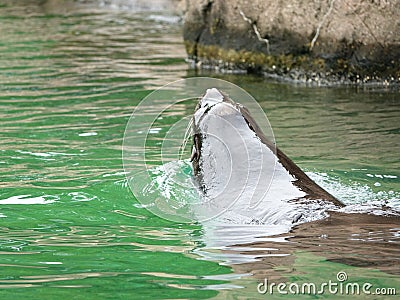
(188, 134)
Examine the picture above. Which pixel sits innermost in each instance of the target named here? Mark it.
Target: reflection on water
(71, 73)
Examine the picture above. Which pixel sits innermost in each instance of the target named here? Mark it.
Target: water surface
(71, 75)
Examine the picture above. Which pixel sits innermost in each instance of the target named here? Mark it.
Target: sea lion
(243, 175)
(318, 229)
(228, 141)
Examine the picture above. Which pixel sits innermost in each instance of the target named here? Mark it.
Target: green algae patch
(305, 67)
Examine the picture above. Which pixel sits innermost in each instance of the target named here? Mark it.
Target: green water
(70, 76)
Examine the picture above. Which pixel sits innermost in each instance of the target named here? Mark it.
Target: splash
(359, 197)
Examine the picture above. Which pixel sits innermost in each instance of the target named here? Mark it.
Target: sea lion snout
(211, 97)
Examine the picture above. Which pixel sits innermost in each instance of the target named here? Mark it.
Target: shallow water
(71, 75)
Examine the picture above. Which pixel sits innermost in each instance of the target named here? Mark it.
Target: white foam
(87, 134)
(26, 199)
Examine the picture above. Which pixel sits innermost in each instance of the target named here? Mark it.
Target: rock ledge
(328, 42)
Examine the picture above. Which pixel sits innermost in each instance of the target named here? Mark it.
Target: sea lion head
(214, 109)
(229, 160)
(234, 162)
